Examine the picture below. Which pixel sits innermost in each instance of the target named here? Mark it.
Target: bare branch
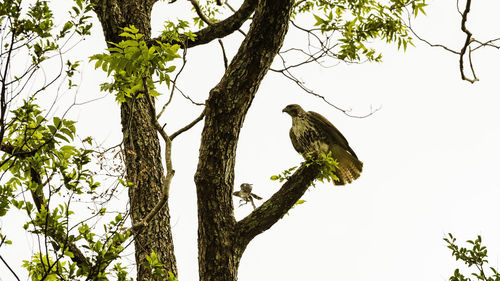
(467, 45)
(458, 8)
(230, 7)
(224, 57)
(6, 264)
(189, 126)
(488, 43)
(432, 44)
(188, 98)
(174, 83)
(321, 48)
(467, 42)
(10, 269)
(299, 83)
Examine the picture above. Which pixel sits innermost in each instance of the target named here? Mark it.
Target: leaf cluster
(28, 28)
(42, 160)
(328, 165)
(157, 268)
(357, 22)
(475, 256)
(133, 65)
(210, 9)
(174, 32)
(285, 175)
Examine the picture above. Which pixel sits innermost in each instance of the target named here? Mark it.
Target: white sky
(431, 156)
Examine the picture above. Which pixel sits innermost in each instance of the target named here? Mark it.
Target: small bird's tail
(349, 167)
(255, 196)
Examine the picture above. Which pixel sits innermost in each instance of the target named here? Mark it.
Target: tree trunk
(143, 159)
(221, 240)
(220, 248)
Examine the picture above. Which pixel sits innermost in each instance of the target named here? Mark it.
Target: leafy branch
(328, 165)
(475, 256)
(134, 65)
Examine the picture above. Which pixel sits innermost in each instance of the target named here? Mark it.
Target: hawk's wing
(334, 135)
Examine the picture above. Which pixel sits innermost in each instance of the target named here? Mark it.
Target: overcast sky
(431, 157)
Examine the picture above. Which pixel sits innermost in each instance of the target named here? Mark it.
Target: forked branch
(168, 163)
(469, 46)
(468, 41)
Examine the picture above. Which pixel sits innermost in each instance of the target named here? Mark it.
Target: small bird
(311, 133)
(246, 195)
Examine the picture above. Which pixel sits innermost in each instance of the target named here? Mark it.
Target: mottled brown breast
(306, 138)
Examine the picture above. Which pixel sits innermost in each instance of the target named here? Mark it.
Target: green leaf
(57, 122)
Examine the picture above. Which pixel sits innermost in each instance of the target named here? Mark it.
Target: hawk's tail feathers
(349, 167)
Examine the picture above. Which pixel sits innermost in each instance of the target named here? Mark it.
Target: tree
(138, 63)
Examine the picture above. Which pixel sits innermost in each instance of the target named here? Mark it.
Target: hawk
(246, 194)
(311, 133)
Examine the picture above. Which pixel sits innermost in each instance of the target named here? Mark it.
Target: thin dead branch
(188, 126)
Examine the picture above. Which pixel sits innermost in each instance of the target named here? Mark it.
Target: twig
(466, 46)
(6, 264)
(199, 12)
(488, 43)
(188, 98)
(432, 44)
(299, 83)
(10, 269)
(458, 8)
(188, 126)
(230, 7)
(174, 83)
(224, 57)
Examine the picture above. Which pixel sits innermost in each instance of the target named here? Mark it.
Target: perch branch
(279, 204)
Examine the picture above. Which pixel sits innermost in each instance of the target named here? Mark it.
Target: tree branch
(278, 205)
(199, 12)
(16, 151)
(6, 264)
(62, 238)
(188, 126)
(466, 45)
(219, 29)
(174, 83)
(224, 57)
(226, 107)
